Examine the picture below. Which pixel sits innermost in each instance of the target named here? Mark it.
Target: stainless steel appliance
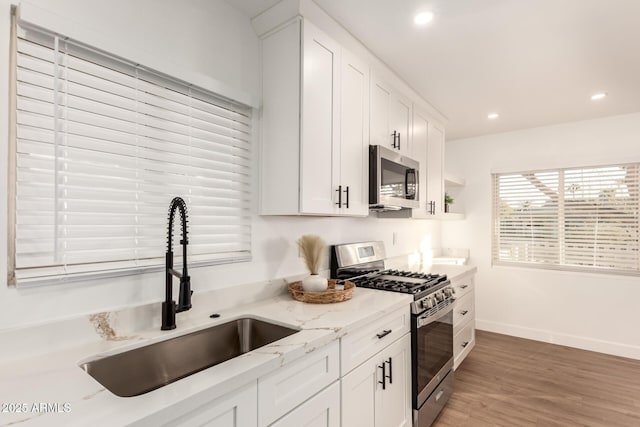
(393, 180)
(431, 318)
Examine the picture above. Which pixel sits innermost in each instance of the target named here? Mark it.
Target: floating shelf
(453, 181)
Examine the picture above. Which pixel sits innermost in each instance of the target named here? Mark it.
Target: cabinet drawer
(322, 410)
(463, 342)
(462, 285)
(282, 390)
(463, 310)
(360, 345)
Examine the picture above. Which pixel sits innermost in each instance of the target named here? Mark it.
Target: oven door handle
(425, 320)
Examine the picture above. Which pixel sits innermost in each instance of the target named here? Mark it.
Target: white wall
(587, 310)
(212, 43)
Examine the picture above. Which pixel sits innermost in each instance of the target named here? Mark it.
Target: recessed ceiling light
(423, 18)
(598, 96)
(493, 116)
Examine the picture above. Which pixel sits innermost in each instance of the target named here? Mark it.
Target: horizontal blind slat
(98, 164)
(592, 224)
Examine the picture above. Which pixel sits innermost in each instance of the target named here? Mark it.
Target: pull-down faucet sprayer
(169, 308)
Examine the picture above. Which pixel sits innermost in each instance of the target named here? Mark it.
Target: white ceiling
(535, 62)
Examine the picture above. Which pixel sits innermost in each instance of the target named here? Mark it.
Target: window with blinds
(102, 146)
(578, 218)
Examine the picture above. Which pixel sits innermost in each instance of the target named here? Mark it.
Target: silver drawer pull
(384, 333)
(439, 395)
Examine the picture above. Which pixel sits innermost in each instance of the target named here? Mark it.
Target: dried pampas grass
(312, 248)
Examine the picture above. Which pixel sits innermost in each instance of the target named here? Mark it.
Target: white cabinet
(372, 338)
(354, 134)
(428, 149)
(322, 410)
(390, 124)
(463, 318)
(235, 409)
(284, 389)
(435, 170)
(314, 128)
(378, 392)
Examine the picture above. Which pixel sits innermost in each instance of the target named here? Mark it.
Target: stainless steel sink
(143, 369)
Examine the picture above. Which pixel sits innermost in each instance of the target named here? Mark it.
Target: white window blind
(578, 218)
(102, 147)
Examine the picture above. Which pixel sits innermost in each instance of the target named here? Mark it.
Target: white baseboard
(584, 343)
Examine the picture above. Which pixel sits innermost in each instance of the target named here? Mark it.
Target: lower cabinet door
(322, 410)
(393, 404)
(377, 396)
(359, 395)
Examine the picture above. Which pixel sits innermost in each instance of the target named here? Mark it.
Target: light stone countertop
(51, 375)
(56, 378)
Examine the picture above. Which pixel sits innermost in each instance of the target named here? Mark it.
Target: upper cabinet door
(390, 123)
(401, 123)
(319, 150)
(435, 169)
(419, 143)
(354, 135)
(380, 121)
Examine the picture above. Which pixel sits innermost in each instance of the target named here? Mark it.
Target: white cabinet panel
(235, 409)
(320, 122)
(435, 170)
(315, 130)
(359, 395)
(463, 318)
(463, 342)
(284, 389)
(322, 410)
(373, 398)
(354, 134)
(463, 311)
(280, 121)
(380, 110)
(394, 402)
(390, 123)
(419, 142)
(373, 338)
(401, 123)
(463, 285)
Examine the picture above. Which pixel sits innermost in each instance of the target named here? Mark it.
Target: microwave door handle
(407, 174)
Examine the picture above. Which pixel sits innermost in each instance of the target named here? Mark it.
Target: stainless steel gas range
(431, 318)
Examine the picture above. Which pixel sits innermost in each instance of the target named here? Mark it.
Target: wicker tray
(329, 296)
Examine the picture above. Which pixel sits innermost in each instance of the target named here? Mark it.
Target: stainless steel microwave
(393, 180)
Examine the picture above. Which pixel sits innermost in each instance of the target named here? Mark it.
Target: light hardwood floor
(508, 381)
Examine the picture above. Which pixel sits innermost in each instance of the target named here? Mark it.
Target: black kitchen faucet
(169, 308)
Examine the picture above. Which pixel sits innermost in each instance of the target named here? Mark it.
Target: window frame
(561, 214)
(117, 269)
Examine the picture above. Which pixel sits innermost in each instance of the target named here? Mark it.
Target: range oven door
(432, 352)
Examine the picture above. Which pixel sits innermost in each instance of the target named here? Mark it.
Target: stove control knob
(448, 292)
(438, 296)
